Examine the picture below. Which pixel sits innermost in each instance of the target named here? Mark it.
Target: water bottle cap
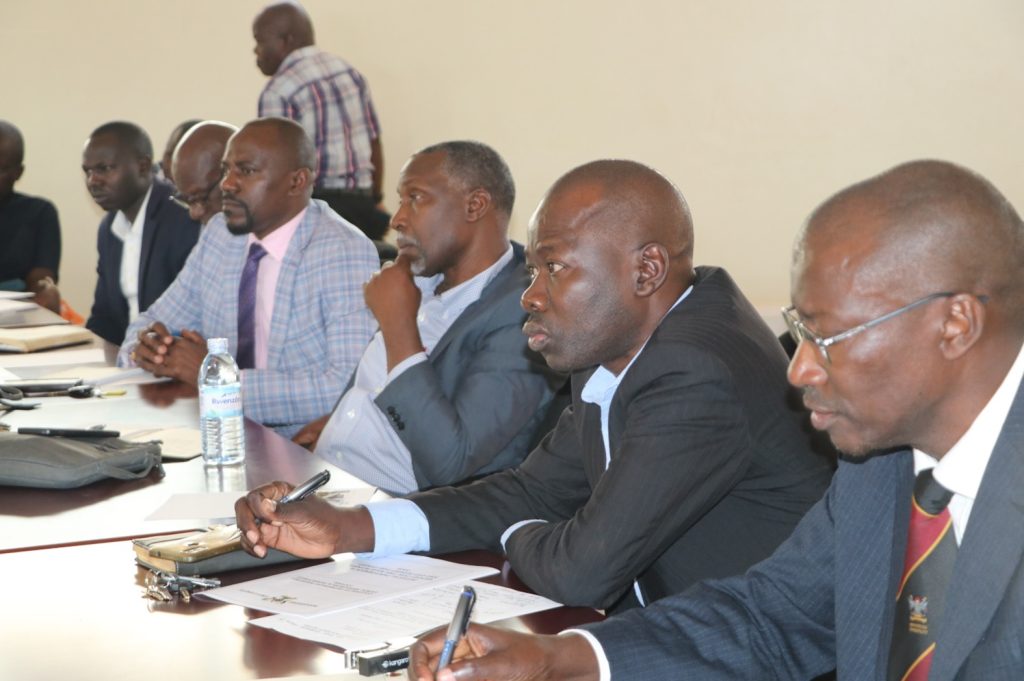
(217, 346)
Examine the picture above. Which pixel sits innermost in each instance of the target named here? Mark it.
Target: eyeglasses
(799, 331)
(199, 199)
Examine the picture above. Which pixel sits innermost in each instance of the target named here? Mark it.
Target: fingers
(254, 511)
(424, 654)
(193, 336)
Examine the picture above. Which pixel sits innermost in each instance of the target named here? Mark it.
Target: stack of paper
(360, 603)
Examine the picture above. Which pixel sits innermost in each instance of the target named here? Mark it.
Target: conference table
(72, 595)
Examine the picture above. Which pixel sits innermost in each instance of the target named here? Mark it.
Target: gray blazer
(826, 597)
(473, 407)
(711, 467)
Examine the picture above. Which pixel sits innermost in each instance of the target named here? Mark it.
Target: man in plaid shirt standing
(331, 100)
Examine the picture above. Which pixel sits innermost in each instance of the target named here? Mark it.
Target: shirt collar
(961, 469)
(294, 56)
(469, 290)
(602, 384)
(120, 225)
(276, 243)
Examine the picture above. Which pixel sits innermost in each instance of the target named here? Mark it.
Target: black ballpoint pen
(64, 432)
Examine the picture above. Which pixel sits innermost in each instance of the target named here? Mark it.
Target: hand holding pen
(311, 529)
(457, 629)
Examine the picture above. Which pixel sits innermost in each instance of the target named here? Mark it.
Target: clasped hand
(163, 354)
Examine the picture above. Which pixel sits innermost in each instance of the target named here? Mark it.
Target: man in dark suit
(446, 389)
(680, 458)
(908, 297)
(144, 238)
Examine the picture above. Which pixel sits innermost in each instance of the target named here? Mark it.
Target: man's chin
(239, 229)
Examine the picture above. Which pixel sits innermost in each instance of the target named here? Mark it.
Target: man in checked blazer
(311, 323)
(681, 455)
(908, 293)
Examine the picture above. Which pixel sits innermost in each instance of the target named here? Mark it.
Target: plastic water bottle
(220, 406)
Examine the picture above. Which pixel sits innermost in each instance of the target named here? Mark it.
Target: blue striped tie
(247, 308)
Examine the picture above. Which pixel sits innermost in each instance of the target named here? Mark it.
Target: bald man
(277, 274)
(29, 229)
(681, 457)
(908, 307)
(166, 160)
(331, 100)
(196, 167)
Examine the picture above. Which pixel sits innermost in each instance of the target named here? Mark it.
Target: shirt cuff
(508, 533)
(124, 355)
(411, 360)
(602, 660)
(399, 526)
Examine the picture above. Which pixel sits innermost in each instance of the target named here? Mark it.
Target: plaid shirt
(320, 327)
(331, 100)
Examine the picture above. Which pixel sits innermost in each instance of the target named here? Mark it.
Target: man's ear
(301, 179)
(963, 325)
(145, 165)
(477, 204)
(652, 268)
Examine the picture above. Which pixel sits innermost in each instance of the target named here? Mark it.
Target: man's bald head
(12, 141)
(12, 156)
(196, 166)
(280, 29)
(633, 200)
(611, 246)
(916, 276)
(927, 225)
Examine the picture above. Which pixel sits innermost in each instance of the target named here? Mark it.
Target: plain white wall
(757, 110)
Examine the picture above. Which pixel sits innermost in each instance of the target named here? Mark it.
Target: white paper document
(7, 305)
(346, 583)
(405, 616)
(219, 505)
(104, 375)
(15, 295)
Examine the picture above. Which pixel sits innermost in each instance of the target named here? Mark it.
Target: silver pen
(305, 489)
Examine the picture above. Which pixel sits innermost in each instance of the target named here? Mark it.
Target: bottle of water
(220, 406)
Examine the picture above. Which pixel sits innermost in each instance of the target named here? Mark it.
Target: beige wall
(758, 110)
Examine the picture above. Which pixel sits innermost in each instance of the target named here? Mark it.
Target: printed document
(346, 582)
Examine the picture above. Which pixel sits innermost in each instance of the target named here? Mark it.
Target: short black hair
(476, 165)
(10, 132)
(128, 134)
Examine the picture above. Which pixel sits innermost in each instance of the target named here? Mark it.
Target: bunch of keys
(164, 586)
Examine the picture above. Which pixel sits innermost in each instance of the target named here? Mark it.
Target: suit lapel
(990, 552)
(149, 229)
(494, 289)
(869, 559)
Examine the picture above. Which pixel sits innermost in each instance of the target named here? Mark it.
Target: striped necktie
(247, 308)
(921, 597)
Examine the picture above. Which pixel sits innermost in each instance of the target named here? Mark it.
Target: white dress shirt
(130, 234)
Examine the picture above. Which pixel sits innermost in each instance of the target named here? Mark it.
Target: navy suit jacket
(167, 239)
(826, 597)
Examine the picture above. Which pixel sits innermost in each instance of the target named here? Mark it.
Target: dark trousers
(358, 208)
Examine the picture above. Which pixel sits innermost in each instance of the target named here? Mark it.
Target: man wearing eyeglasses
(908, 307)
(196, 168)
